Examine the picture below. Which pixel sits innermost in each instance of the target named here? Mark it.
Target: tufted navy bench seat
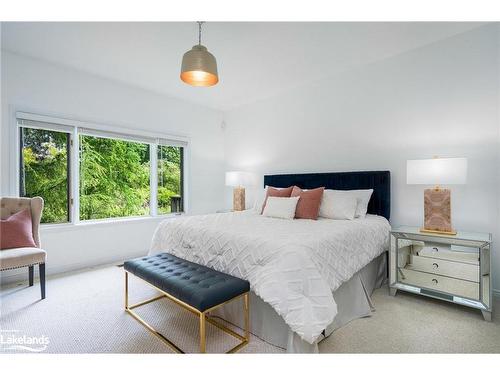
(197, 288)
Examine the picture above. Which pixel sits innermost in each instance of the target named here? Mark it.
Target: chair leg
(30, 274)
(41, 268)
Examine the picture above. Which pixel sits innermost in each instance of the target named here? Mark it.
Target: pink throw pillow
(309, 202)
(17, 231)
(273, 192)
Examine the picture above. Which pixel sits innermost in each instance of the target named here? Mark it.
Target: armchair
(24, 256)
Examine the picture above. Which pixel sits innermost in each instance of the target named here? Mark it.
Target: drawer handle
(434, 281)
(435, 249)
(435, 265)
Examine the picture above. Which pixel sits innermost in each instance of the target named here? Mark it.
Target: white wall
(441, 99)
(43, 88)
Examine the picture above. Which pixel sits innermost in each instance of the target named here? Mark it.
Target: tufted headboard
(379, 181)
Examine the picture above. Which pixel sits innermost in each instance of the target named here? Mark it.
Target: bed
(307, 277)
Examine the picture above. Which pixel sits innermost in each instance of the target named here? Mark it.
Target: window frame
(69, 155)
(75, 128)
(182, 177)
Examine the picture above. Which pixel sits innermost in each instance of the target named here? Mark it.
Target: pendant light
(199, 67)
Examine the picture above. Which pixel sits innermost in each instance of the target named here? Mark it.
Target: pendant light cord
(199, 31)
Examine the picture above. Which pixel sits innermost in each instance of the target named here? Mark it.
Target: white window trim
(73, 128)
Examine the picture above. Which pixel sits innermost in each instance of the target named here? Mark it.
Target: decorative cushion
(21, 257)
(338, 204)
(363, 196)
(17, 231)
(309, 202)
(281, 207)
(199, 286)
(11, 205)
(277, 192)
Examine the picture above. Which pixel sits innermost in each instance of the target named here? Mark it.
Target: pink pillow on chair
(309, 202)
(17, 231)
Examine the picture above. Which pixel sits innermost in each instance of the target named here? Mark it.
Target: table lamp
(437, 200)
(239, 180)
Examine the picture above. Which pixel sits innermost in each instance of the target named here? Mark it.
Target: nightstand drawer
(448, 254)
(457, 270)
(431, 247)
(444, 284)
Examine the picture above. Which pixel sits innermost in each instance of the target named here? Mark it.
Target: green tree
(169, 177)
(114, 178)
(44, 171)
(114, 175)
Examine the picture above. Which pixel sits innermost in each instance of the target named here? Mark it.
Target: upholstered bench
(197, 288)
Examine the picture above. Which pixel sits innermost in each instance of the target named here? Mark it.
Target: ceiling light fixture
(199, 67)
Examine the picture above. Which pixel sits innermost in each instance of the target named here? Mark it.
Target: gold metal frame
(203, 316)
(452, 233)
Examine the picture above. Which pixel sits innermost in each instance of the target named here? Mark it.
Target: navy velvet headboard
(379, 181)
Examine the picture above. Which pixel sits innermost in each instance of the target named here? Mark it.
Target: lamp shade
(438, 171)
(199, 67)
(237, 178)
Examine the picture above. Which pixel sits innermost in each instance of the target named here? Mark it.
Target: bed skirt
(352, 298)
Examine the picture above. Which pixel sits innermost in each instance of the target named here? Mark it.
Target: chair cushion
(198, 286)
(17, 231)
(21, 257)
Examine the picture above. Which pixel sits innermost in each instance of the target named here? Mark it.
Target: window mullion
(75, 176)
(153, 179)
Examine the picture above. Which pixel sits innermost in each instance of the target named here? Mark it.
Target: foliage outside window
(44, 171)
(114, 178)
(114, 174)
(170, 160)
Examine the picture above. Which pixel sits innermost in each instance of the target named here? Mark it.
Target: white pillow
(260, 197)
(282, 208)
(362, 197)
(338, 204)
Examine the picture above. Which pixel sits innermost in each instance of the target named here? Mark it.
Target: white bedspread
(294, 265)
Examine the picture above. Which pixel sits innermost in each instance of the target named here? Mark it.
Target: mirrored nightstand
(454, 268)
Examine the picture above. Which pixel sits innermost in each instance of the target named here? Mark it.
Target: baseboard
(21, 274)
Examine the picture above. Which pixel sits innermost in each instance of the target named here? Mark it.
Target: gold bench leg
(246, 311)
(203, 316)
(202, 333)
(126, 290)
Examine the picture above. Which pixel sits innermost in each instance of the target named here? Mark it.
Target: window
(83, 173)
(44, 171)
(114, 178)
(170, 179)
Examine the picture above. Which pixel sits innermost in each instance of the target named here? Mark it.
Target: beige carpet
(408, 323)
(83, 313)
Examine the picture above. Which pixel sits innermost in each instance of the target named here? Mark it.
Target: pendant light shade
(199, 67)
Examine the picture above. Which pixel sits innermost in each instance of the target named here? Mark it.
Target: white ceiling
(255, 60)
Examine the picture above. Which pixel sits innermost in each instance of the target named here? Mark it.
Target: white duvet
(294, 265)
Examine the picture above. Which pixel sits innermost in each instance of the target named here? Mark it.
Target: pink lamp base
(437, 211)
